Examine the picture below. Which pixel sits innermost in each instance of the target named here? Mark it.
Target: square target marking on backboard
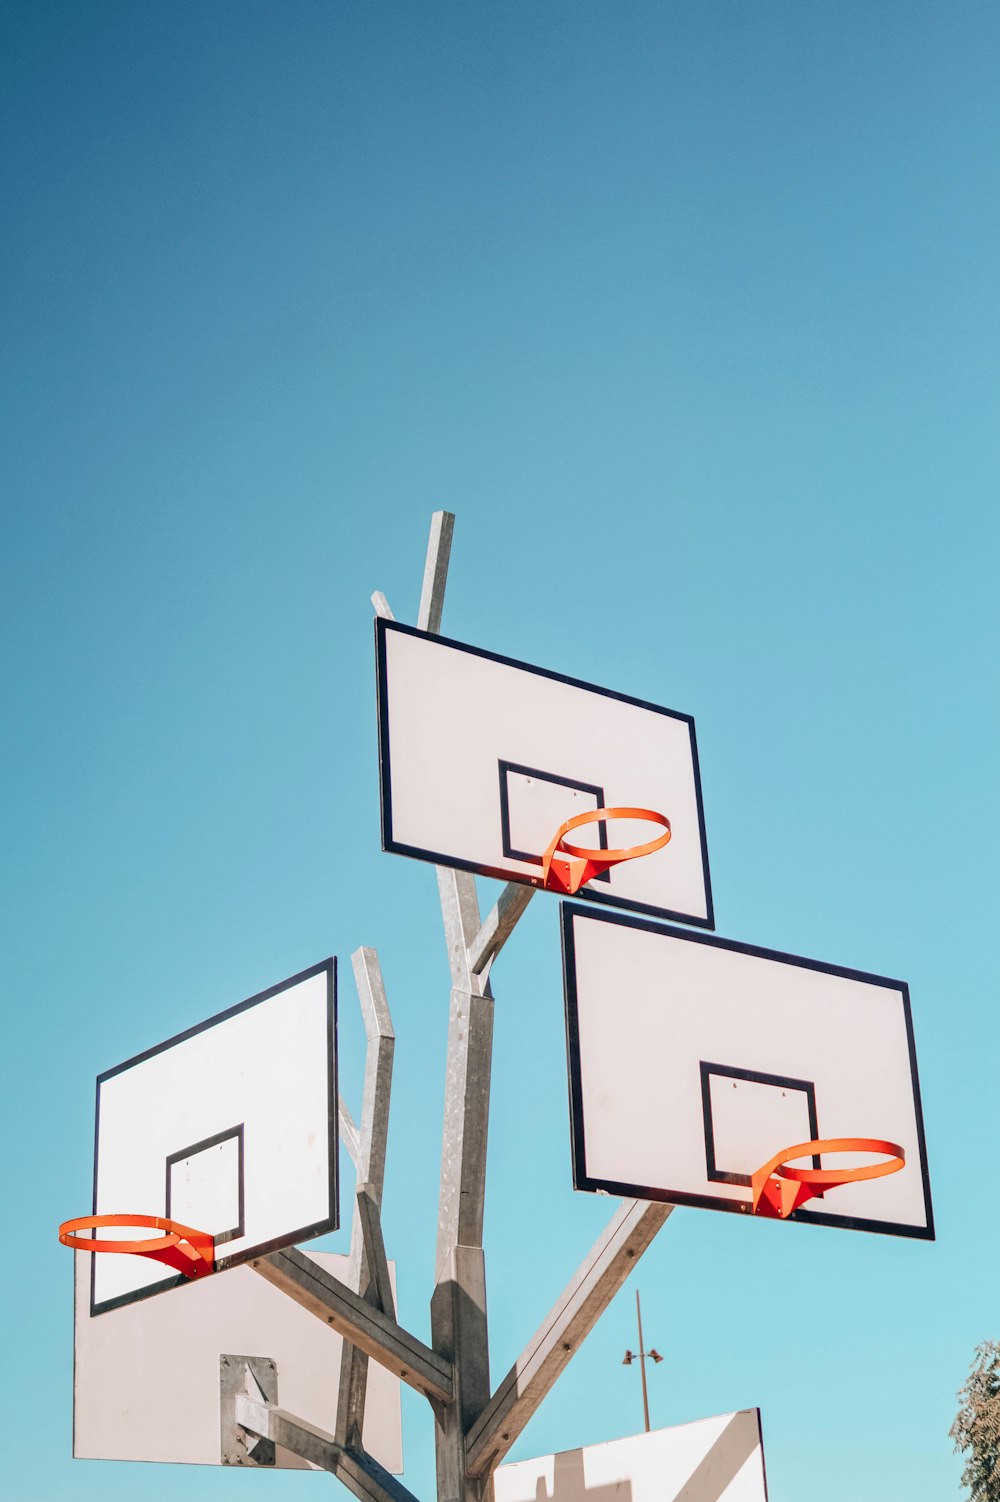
(230, 1127)
(693, 1060)
(746, 1113)
(481, 759)
(205, 1185)
(534, 803)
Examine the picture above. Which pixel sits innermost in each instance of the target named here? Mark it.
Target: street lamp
(642, 1355)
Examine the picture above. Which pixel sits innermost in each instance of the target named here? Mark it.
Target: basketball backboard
(694, 1059)
(712, 1460)
(230, 1127)
(146, 1376)
(482, 758)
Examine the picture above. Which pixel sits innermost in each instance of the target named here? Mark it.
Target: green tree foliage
(976, 1430)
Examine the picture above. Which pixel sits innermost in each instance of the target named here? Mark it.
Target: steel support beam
(562, 1332)
(498, 926)
(436, 572)
(462, 1196)
(372, 1135)
(349, 1134)
(376, 1262)
(462, 924)
(357, 1321)
(458, 1306)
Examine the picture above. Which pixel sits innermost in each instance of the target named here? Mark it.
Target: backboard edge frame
(326, 1224)
(585, 1182)
(393, 846)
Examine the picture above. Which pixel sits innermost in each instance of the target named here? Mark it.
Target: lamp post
(641, 1356)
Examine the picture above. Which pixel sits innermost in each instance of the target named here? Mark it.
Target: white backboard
(231, 1128)
(693, 1060)
(146, 1375)
(482, 758)
(712, 1460)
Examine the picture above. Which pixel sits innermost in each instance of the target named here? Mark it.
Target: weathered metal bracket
(253, 1377)
(359, 1472)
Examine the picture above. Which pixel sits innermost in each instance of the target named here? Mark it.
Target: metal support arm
(349, 1134)
(380, 1289)
(359, 1472)
(498, 926)
(561, 1333)
(357, 1321)
(436, 571)
(363, 1276)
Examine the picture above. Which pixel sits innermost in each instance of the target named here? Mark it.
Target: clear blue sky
(690, 313)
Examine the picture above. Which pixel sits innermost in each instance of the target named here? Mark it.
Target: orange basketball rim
(566, 868)
(183, 1248)
(777, 1190)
